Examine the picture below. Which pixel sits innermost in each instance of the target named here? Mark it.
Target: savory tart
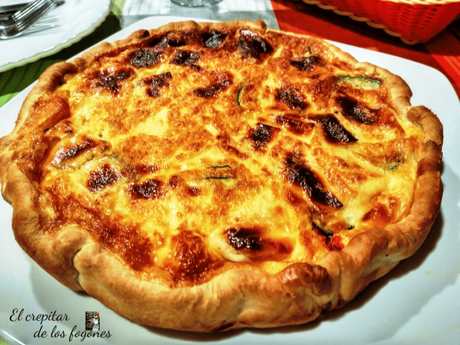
(213, 176)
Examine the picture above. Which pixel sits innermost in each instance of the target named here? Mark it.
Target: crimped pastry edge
(239, 297)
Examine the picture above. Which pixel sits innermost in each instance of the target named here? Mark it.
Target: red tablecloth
(441, 52)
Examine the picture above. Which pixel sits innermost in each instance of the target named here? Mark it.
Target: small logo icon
(92, 321)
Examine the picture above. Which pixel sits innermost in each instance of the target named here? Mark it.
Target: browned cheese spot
(213, 39)
(262, 135)
(292, 98)
(157, 82)
(252, 45)
(174, 39)
(102, 178)
(356, 111)
(193, 191)
(221, 82)
(298, 173)
(185, 58)
(174, 182)
(110, 79)
(306, 63)
(253, 244)
(149, 189)
(144, 58)
(66, 153)
(244, 239)
(334, 131)
(162, 42)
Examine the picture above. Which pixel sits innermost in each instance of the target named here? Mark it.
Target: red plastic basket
(413, 21)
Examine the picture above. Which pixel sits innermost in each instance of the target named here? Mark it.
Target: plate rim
(61, 45)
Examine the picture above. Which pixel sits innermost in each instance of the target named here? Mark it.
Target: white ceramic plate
(75, 19)
(417, 303)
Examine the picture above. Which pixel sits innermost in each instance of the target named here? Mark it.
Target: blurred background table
(441, 52)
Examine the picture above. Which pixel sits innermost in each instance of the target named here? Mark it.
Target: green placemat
(17, 79)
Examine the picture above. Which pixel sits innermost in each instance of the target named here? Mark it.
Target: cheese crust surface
(213, 176)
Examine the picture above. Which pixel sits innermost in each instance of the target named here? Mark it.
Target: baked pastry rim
(238, 297)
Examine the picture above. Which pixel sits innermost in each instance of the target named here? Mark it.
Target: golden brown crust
(234, 296)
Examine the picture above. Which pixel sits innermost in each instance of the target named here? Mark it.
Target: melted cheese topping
(198, 150)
